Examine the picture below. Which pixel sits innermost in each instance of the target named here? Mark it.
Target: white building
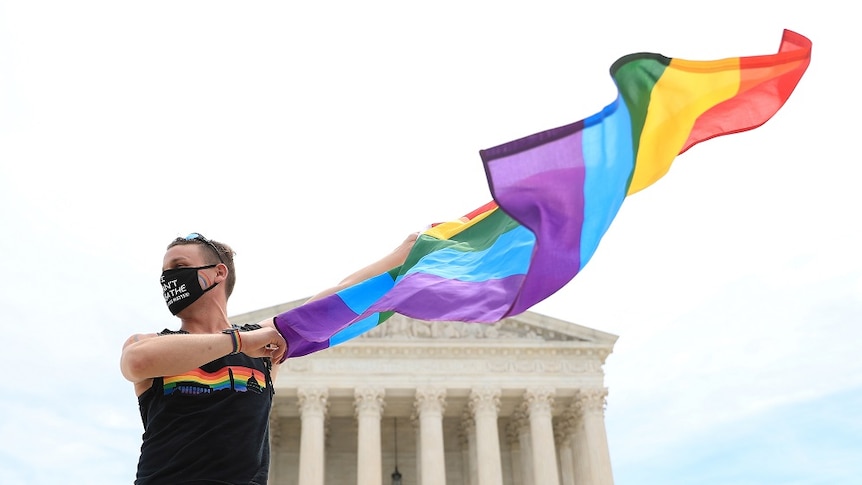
(520, 402)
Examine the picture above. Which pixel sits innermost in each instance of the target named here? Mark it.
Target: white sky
(313, 138)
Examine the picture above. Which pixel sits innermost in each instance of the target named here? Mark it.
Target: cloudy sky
(734, 283)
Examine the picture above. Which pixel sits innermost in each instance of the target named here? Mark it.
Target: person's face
(193, 256)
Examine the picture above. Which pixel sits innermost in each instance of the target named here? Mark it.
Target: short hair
(214, 252)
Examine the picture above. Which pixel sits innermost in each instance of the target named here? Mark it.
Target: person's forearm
(392, 260)
(303, 341)
(168, 355)
(369, 271)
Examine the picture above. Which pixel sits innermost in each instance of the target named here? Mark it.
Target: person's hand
(264, 342)
(404, 248)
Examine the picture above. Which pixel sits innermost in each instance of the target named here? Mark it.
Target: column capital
(312, 401)
(484, 400)
(539, 400)
(575, 411)
(468, 427)
(468, 422)
(562, 427)
(430, 400)
(570, 418)
(369, 401)
(591, 400)
(520, 418)
(513, 432)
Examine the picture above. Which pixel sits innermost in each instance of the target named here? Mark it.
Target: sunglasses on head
(199, 237)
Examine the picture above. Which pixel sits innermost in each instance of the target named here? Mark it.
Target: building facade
(519, 402)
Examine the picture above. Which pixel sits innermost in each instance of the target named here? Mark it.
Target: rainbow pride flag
(555, 194)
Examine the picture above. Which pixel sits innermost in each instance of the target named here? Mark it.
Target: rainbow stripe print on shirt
(198, 381)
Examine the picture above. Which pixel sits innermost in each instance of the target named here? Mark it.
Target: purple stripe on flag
(318, 320)
(430, 297)
(538, 181)
(296, 345)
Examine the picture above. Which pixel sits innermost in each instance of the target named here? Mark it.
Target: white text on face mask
(176, 298)
(174, 292)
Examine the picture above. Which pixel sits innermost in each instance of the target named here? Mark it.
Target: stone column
(564, 449)
(580, 447)
(485, 404)
(414, 419)
(526, 445)
(468, 449)
(369, 460)
(512, 438)
(312, 410)
(430, 403)
(539, 403)
(592, 403)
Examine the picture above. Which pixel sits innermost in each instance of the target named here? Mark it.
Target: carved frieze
(477, 362)
(401, 327)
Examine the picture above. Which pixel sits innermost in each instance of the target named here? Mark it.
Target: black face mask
(181, 287)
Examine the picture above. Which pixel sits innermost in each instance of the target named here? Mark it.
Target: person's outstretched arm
(146, 356)
(392, 260)
(298, 342)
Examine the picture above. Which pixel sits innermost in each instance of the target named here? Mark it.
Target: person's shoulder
(168, 331)
(138, 337)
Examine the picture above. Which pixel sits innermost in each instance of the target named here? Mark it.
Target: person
(205, 391)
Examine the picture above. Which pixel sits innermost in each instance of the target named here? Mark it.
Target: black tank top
(209, 425)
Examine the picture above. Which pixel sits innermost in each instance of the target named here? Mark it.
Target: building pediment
(514, 354)
(526, 327)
